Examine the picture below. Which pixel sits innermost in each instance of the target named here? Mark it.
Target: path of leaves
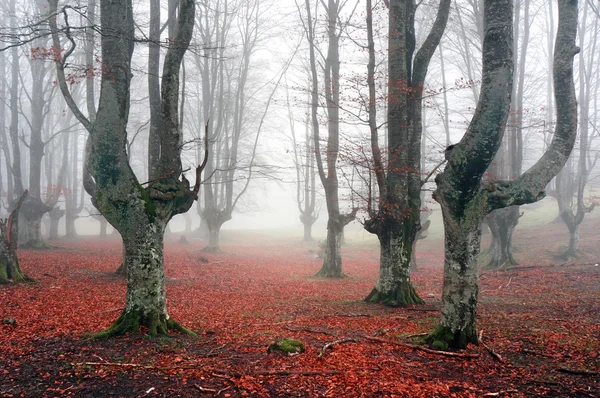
(540, 320)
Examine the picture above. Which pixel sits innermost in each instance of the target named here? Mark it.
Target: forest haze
(337, 197)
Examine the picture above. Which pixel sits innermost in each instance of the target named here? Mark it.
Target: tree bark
(393, 287)
(502, 223)
(9, 232)
(464, 199)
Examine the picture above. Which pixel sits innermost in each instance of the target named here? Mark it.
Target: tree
(336, 221)
(304, 162)
(465, 199)
(396, 219)
(139, 213)
(570, 183)
(9, 233)
(502, 222)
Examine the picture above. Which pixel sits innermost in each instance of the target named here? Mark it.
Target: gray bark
(396, 221)
(139, 213)
(9, 232)
(464, 199)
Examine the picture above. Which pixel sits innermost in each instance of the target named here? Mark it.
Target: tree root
(401, 296)
(133, 320)
(212, 249)
(324, 272)
(443, 338)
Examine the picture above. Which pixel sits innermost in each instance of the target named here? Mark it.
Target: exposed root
(401, 296)
(325, 272)
(130, 322)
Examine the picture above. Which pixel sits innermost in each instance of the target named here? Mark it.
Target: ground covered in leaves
(540, 326)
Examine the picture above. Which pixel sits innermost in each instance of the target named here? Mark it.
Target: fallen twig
(580, 372)
(497, 394)
(295, 372)
(419, 348)
(127, 365)
(334, 343)
(410, 336)
(205, 389)
(493, 353)
(310, 330)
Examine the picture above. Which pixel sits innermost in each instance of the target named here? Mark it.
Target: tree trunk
(461, 280)
(332, 263)
(394, 288)
(307, 231)
(55, 216)
(9, 232)
(502, 223)
(103, 224)
(145, 302)
(214, 225)
(70, 230)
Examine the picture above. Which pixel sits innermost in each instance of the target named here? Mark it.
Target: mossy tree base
(443, 338)
(402, 295)
(131, 322)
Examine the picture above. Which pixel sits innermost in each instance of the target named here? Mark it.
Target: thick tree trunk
(214, 230)
(461, 280)
(394, 288)
(32, 212)
(145, 302)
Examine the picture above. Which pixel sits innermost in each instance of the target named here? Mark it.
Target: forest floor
(542, 320)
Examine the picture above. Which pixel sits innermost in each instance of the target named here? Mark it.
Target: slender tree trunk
(332, 264)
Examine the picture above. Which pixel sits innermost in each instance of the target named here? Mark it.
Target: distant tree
(9, 233)
(572, 180)
(328, 168)
(139, 213)
(465, 199)
(304, 162)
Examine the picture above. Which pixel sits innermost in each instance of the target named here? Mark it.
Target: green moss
(149, 205)
(286, 346)
(439, 345)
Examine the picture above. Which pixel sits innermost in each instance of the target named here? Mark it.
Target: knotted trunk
(394, 288)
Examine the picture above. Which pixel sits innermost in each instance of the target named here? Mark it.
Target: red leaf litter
(543, 321)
